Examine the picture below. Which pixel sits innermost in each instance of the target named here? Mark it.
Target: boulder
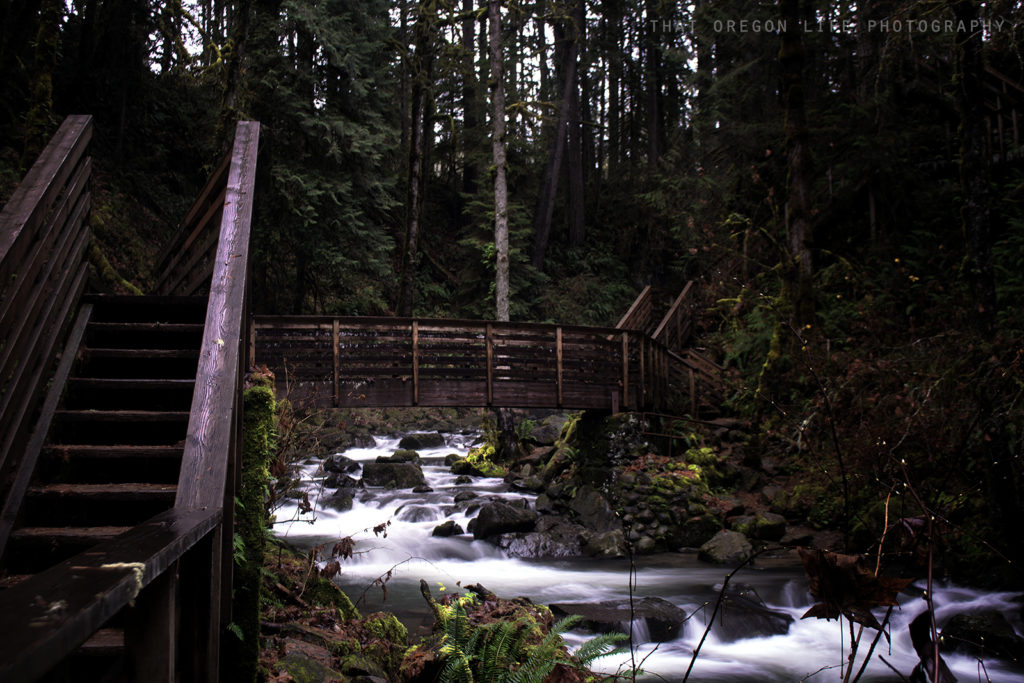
(463, 479)
(340, 501)
(400, 475)
(335, 480)
(463, 496)
(593, 512)
(500, 518)
(605, 544)
(765, 526)
(663, 619)
(423, 488)
(983, 635)
(447, 528)
(530, 483)
(554, 538)
(743, 614)
(420, 441)
(450, 459)
(726, 547)
(308, 663)
(401, 455)
(363, 440)
(696, 531)
(339, 464)
(547, 431)
(465, 467)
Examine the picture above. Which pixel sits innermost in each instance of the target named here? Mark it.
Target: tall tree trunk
(422, 68)
(613, 15)
(800, 268)
(549, 183)
(577, 217)
(976, 213)
(239, 39)
(653, 68)
(501, 275)
(470, 118)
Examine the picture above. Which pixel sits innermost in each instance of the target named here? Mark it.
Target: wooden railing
(43, 236)
(640, 315)
(363, 362)
(169, 577)
(676, 327)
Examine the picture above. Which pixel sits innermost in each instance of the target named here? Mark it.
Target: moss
(322, 591)
(258, 436)
(305, 670)
(482, 461)
(387, 627)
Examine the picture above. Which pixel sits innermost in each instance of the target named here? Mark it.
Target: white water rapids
(812, 648)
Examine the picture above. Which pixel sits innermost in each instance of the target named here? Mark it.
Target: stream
(812, 648)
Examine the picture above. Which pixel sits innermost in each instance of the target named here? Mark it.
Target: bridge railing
(44, 232)
(676, 327)
(169, 577)
(368, 362)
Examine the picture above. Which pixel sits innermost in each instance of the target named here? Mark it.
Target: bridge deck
(375, 362)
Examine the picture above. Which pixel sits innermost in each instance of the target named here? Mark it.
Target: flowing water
(812, 648)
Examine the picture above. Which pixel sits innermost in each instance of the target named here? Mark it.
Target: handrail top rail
(673, 309)
(271, 321)
(57, 610)
(644, 294)
(41, 184)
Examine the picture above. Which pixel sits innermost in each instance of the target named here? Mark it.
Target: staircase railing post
(150, 632)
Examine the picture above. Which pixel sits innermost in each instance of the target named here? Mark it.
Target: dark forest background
(846, 192)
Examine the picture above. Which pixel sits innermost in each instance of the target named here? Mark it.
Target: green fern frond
(600, 646)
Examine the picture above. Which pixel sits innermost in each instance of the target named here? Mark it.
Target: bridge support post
(558, 360)
(415, 362)
(490, 363)
(625, 369)
(335, 352)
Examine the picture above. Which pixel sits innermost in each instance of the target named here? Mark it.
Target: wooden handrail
(636, 317)
(212, 429)
(48, 616)
(675, 328)
(43, 235)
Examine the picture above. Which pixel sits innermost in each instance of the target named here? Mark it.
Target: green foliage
(502, 652)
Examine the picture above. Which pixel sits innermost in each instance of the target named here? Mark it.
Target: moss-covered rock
(481, 459)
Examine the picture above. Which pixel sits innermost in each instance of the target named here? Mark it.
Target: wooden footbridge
(120, 417)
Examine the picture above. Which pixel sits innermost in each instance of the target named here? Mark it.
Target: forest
(843, 181)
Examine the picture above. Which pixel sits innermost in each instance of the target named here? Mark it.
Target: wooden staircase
(113, 453)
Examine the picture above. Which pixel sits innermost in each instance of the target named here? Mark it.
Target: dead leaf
(844, 585)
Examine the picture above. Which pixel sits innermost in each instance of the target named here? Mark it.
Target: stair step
(106, 642)
(69, 452)
(137, 363)
(147, 335)
(167, 309)
(102, 463)
(125, 392)
(13, 580)
(123, 415)
(148, 427)
(121, 492)
(72, 534)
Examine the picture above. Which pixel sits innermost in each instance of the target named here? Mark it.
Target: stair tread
(124, 415)
(154, 325)
(134, 381)
(140, 353)
(13, 580)
(128, 490)
(104, 641)
(114, 451)
(85, 533)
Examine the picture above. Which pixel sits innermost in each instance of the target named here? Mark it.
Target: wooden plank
(558, 355)
(89, 589)
(336, 354)
(643, 372)
(643, 297)
(625, 370)
(30, 202)
(252, 343)
(205, 461)
(26, 467)
(415, 362)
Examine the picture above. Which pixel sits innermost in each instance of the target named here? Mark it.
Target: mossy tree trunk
(250, 530)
